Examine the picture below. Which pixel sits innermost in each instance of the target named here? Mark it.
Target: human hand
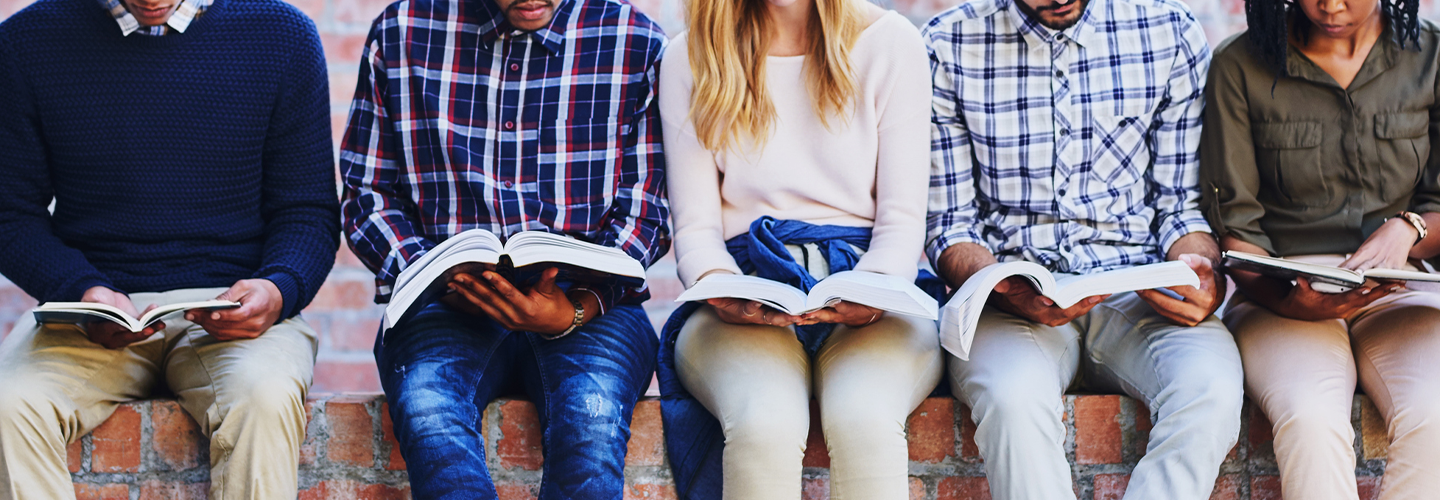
(1304, 303)
(1198, 303)
(1017, 296)
(110, 334)
(544, 309)
(749, 312)
(260, 306)
(1386, 248)
(845, 313)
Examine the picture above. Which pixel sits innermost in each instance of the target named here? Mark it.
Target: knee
(1209, 399)
(868, 425)
(23, 401)
(767, 429)
(1411, 420)
(1013, 399)
(271, 401)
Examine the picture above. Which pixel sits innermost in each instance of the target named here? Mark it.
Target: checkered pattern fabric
(461, 121)
(1074, 149)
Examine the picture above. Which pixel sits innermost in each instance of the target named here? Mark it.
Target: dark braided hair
(1270, 22)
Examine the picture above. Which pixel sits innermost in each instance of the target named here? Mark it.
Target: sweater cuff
(289, 289)
(76, 290)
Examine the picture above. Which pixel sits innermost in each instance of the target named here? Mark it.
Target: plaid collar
(184, 14)
(551, 37)
(1037, 35)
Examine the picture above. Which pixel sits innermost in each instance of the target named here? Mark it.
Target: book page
(960, 315)
(1402, 275)
(533, 247)
(425, 276)
(889, 293)
(777, 295)
(1289, 270)
(1073, 289)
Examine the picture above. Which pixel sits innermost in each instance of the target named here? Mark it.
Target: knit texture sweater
(190, 160)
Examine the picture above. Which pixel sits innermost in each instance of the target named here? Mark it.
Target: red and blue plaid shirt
(460, 121)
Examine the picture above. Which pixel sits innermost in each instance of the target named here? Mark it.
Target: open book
(478, 249)
(1323, 278)
(84, 312)
(889, 293)
(962, 313)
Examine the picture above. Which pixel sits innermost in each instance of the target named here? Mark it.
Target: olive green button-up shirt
(1302, 166)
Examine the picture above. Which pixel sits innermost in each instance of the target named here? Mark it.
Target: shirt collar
(1083, 32)
(1381, 58)
(184, 14)
(551, 37)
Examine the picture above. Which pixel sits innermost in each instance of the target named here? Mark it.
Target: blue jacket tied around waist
(693, 436)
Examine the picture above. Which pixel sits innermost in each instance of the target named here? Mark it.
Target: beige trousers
(248, 396)
(1303, 374)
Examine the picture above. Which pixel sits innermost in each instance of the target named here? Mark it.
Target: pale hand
(1386, 248)
(1199, 302)
(544, 309)
(260, 307)
(1016, 296)
(111, 334)
(845, 313)
(749, 312)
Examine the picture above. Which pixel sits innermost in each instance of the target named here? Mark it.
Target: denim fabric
(694, 440)
(440, 368)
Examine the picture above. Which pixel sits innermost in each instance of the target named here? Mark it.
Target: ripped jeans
(442, 367)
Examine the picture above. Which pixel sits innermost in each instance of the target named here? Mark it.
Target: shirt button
(1062, 192)
(507, 184)
(514, 67)
(1059, 74)
(509, 125)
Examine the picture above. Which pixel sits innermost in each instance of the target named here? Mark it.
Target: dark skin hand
(543, 309)
(1301, 301)
(749, 312)
(260, 306)
(111, 334)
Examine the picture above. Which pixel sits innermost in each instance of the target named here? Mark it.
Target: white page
(1073, 289)
(959, 316)
(890, 293)
(466, 247)
(531, 247)
(777, 295)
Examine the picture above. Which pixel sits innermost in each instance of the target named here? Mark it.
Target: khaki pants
(248, 396)
(1303, 374)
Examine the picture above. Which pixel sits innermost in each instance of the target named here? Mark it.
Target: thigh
(1396, 343)
(893, 363)
(1133, 349)
(1292, 364)
(739, 370)
(1015, 357)
(601, 368)
(442, 360)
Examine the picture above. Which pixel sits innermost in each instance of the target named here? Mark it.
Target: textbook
(1323, 278)
(960, 316)
(84, 312)
(889, 293)
(477, 250)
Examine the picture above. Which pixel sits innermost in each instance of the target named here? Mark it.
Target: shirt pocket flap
(1402, 125)
(1287, 135)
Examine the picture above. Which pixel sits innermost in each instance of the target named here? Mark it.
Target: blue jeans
(440, 368)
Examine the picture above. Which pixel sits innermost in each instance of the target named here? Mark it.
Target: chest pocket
(1287, 155)
(1120, 156)
(1403, 148)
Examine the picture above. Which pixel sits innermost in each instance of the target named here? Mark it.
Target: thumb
(237, 293)
(547, 285)
(1003, 286)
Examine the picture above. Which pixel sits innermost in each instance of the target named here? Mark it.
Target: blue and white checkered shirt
(184, 14)
(1076, 149)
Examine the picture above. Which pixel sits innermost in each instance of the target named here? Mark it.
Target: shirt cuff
(1171, 227)
(698, 263)
(952, 237)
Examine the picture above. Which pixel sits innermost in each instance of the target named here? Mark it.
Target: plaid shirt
(1077, 149)
(184, 14)
(460, 121)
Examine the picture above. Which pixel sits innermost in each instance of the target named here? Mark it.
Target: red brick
(519, 443)
(815, 489)
(176, 438)
(158, 490)
(517, 491)
(352, 432)
(74, 454)
(1265, 488)
(931, 431)
(349, 333)
(312, 434)
(396, 461)
(647, 436)
(313, 8)
(650, 492)
(1097, 430)
(1261, 436)
(817, 453)
(1227, 487)
(101, 492)
(1369, 487)
(963, 488)
(346, 376)
(344, 258)
(1110, 486)
(969, 450)
(339, 118)
(358, 12)
(345, 50)
(352, 490)
(117, 442)
(343, 295)
(917, 489)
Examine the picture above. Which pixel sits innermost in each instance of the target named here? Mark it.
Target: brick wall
(152, 450)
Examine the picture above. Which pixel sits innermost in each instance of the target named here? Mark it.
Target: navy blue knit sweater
(195, 159)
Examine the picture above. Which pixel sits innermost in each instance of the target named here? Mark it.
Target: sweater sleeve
(902, 165)
(302, 215)
(36, 258)
(694, 176)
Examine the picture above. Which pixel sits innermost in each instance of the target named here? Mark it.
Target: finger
(503, 287)
(1201, 265)
(480, 295)
(1003, 286)
(547, 285)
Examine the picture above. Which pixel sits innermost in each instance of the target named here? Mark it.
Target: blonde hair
(729, 41)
